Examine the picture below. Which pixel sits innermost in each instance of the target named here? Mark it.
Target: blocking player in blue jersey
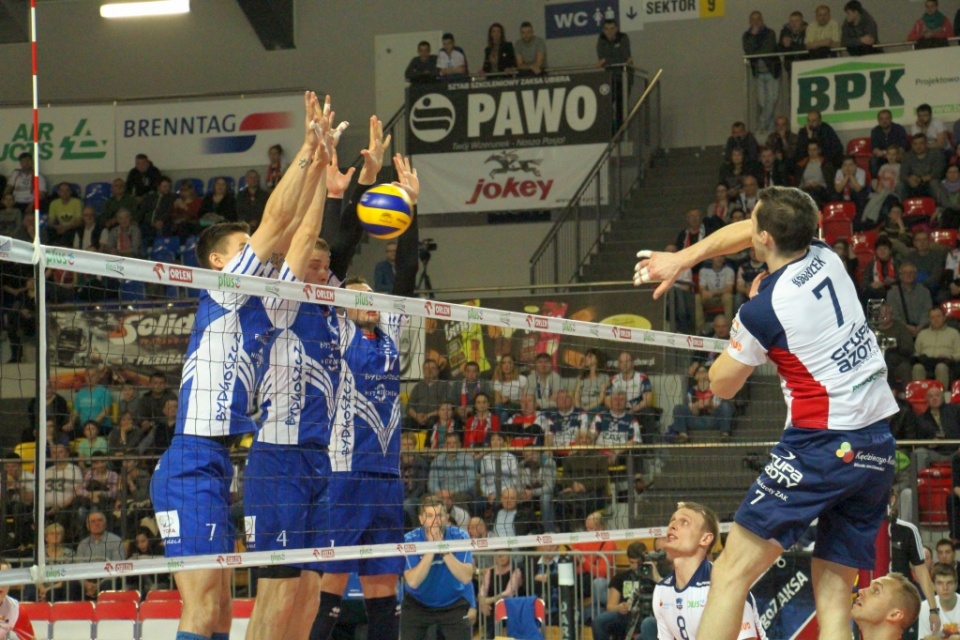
(191, 485)
(835, 458)
(365, 492)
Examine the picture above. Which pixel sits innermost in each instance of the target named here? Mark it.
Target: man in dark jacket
(859, 30)
(766, 71)
(816, 130)
(143, 178)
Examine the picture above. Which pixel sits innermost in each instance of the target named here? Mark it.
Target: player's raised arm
(408, 245)
(656, 266)
(282, 205)
(305, 237)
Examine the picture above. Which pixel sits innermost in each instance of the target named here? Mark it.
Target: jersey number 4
(818, 291)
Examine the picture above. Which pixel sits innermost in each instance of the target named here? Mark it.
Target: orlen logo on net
(623, 334)
(180, 274)
(438, 309)
(321, 294)
(537, 322)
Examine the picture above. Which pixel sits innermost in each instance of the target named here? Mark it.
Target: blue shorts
(284, 497)
(190, 490)
(841, 477)
(365, 509)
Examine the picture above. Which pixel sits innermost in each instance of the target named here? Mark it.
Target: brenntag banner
(72, 139)
(851, 91)
(507, 143)
(209, 134)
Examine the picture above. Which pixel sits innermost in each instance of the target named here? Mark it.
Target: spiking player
(365, 492)
(835, 458)
(191, 485)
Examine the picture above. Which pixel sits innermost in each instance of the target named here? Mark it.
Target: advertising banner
(72, 139)
(580, 18)
(784, 596)
(507, 143)
(851, 91)
(209, 134)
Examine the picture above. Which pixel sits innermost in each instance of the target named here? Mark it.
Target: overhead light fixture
(141, 9)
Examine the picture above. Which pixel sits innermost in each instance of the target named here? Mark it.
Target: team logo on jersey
(169, 524)
(679, 604)
(845, 452)
(380, 393)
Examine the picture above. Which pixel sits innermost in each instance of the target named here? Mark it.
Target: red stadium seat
(116, 619)
(72, 620)
(118, 596)
(955, 392)
(839, 211)
(242, 610)
(919, 206)
(835, 221)
(946, 237)
(862, 243)
(916, 393)
(160, 618)
(951, 308)
(39, 614)
(860, 147)
(163, 594)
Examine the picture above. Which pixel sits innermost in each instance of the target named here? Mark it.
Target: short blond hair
(711, 524)
(906, 597)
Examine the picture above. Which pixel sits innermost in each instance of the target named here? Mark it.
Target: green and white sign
(850, 91)
(72, 139)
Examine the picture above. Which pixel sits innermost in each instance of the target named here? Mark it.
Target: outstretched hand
(337, 183)
(373, 154)
(658, 266)
(312, 112)
(406, 178)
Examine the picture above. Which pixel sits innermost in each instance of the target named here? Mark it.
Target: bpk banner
(209, 134)
(851, 91)
(72, 139)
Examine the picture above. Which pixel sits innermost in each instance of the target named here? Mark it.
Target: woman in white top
(591, 384)
(508, 387)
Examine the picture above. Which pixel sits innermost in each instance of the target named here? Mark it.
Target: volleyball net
(524, 424)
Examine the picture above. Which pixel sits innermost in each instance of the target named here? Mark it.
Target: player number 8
(682, 625)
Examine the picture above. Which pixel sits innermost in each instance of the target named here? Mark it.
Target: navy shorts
(284, 497)
(190, 490)
(365, 509)
(841, 477)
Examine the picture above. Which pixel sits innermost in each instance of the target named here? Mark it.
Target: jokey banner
(507, 143)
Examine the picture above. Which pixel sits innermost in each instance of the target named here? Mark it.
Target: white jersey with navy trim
(300, 384)
(365, 435)
(678, 611)
(807, 320)
(225, 356)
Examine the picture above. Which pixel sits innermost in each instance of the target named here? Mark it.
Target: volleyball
(385, 211)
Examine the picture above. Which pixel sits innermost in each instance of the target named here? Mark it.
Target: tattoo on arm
(304, 162)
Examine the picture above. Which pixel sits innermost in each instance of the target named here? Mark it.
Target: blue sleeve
(757, 317)
(646, 387)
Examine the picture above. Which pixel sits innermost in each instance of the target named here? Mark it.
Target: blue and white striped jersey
(225, 357)
(365, 435)
(303, 371)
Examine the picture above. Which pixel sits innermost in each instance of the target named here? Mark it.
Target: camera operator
(897, 343)
(629, 596)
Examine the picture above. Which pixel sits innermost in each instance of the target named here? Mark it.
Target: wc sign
(568, 19)
(850, 92)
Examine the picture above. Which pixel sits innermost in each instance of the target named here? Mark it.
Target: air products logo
(247, 132)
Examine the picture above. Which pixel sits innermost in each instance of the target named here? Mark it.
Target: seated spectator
(99, 546)
(792, 39)
(498, 470)
(154, 209)
(133, 497)
(596, 565)
(816, 130)
(218, 205)
(921, 170)
(503, 580)
(932, 29)
(92, 402)
(841, 247)
(531, 51)
(129, 401)
(450, 60)
(499, 56)
(948, 198)
(57, 409)
(481, 424)
(92, 442)
(567, 422)
(145, 546)
(124, 239)
(17, 490)
(20, 184)
(746, 273)
(886, 133)
(64, 214)
(511, 519)
(275, 167)
(99, 488)
(929, 259)
(695, 230)
(63, 481)
(508, 387)
(584, 484)
(823, 34)
(385, 271)
(153, 400)
(933, 128)
(720, 329)
(125, 437)
(414, 472)
(251, 200)
(529, 427)
(423, 66)
(119, 199)
(90, 235)
(455, 472)
(446, 423)
(896, 229)
(545, 383)
(716, 289)
(900, 349)
(734, 170)
(591, 389)
(185, 218)
(703, 410)
(718, 211)
(143, 177)
(859, 31)
(57, 552)
(773, 172)
(850, 184)
(888, 176)
(742, 139)
(937, 350)
(10, 215)
(748, 198)
(616, 427)
(461, 394)
(909, 301)
(634, 385)
(425, 397)
(814, 174)
(783, 142)
(459, 516)
(159, 433)
(941, 421)
(538, 481)
(880, 275)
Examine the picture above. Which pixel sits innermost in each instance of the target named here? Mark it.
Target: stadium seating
(197, 186)
(39, 613)
(230, 183)
(164, 250)
(916, 393)
(118, 596)
(918, 207)
(96, 195)
(116, 619)
(951, 308)
(162, 594)
(955, 392)
(72, 620)
(862, 150)
(242, 610)
(837, 221)
(946, 237)
(160, 618)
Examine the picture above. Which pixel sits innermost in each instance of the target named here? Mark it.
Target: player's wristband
(935, 610)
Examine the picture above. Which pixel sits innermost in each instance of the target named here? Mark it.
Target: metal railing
(784, 95)
(601, 198)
